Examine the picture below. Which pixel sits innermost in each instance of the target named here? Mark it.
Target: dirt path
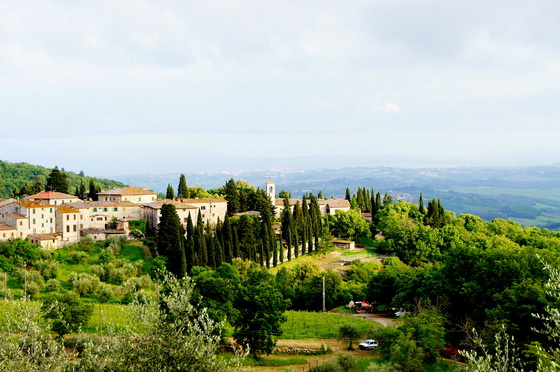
(383, 319)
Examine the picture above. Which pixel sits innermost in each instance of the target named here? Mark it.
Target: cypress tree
(219, 252)
(210, 248)
(235, 240)
(170, 194)
(274, 254)
(231, 192)
(189, 247)
(348, 196)
(360, 200)
(289, 244)
(317, 219)
(169, 240)
(310, 237)
(421, 207)
(227, 240)
(378, 204)
(261, 251)
(297, 224)
(182, 189)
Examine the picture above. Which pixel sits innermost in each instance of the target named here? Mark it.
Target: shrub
(106, 255)
(53, 285)
(84, 283)
(33, 289)
(87, 243)
(47, 268)
(106, 293)
(78, 257)
(100, 271)
(22, 276)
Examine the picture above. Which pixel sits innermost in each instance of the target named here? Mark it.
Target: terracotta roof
(4, 227)
(249, 213)
(100, 204)
(127, 191)
(67, 209)
(178, 205)
(46, 195)
(47, 236)
(6, 201)
(201, 200)
(15, 215)
(32, 204)
(335, 203)
(293, 201)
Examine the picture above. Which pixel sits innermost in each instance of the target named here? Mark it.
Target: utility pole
(324, 293)
(24, 280)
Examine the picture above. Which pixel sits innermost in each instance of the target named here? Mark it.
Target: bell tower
(271, 191)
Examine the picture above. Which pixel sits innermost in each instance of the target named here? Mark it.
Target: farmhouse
(326, 206)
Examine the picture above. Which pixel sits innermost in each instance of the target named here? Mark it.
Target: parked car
(368, 345)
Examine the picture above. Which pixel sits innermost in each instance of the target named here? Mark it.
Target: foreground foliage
(174, 335)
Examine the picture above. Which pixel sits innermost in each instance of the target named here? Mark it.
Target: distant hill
(18, 174)
(529, 195)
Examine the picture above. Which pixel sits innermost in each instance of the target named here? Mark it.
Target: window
(104, 209)
(99, 218)
(34, 221)
(51, 219)
(21, 223)
(81, 226)
(81, 217)
(74, 217)
(51, 209)
(74, 228)
(115, 209)
(67, 217)
(203, 207)
(68, 228)
(95, 209)
(34, 211)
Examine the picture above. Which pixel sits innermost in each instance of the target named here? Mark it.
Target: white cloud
(386, 107)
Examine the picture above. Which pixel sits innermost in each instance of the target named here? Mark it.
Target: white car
(368, 345)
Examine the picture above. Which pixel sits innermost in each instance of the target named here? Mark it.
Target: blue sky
(124, 87)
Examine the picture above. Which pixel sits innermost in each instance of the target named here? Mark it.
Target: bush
(84, 283)
(53, 285)
(47, 268)
(87, 243)
(78, 257)
(106, 255)
(100, 271)
(121, 270)
(106, 293)
(22, 277)
(33, 289)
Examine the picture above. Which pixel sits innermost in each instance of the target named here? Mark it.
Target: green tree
(174, 335)
(349, 224)
(67, 312)
(421, 207)
(261, 312)
(170, 240)
(58, 180)
(182, 189)
(170, 193)
(350, 333)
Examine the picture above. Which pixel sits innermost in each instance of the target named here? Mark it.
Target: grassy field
(306, 325)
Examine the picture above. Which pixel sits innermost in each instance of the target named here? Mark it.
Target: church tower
(271, 191)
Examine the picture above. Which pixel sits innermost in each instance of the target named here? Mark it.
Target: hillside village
(53, 219)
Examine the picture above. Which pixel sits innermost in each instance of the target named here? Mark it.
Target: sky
(126, 87)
